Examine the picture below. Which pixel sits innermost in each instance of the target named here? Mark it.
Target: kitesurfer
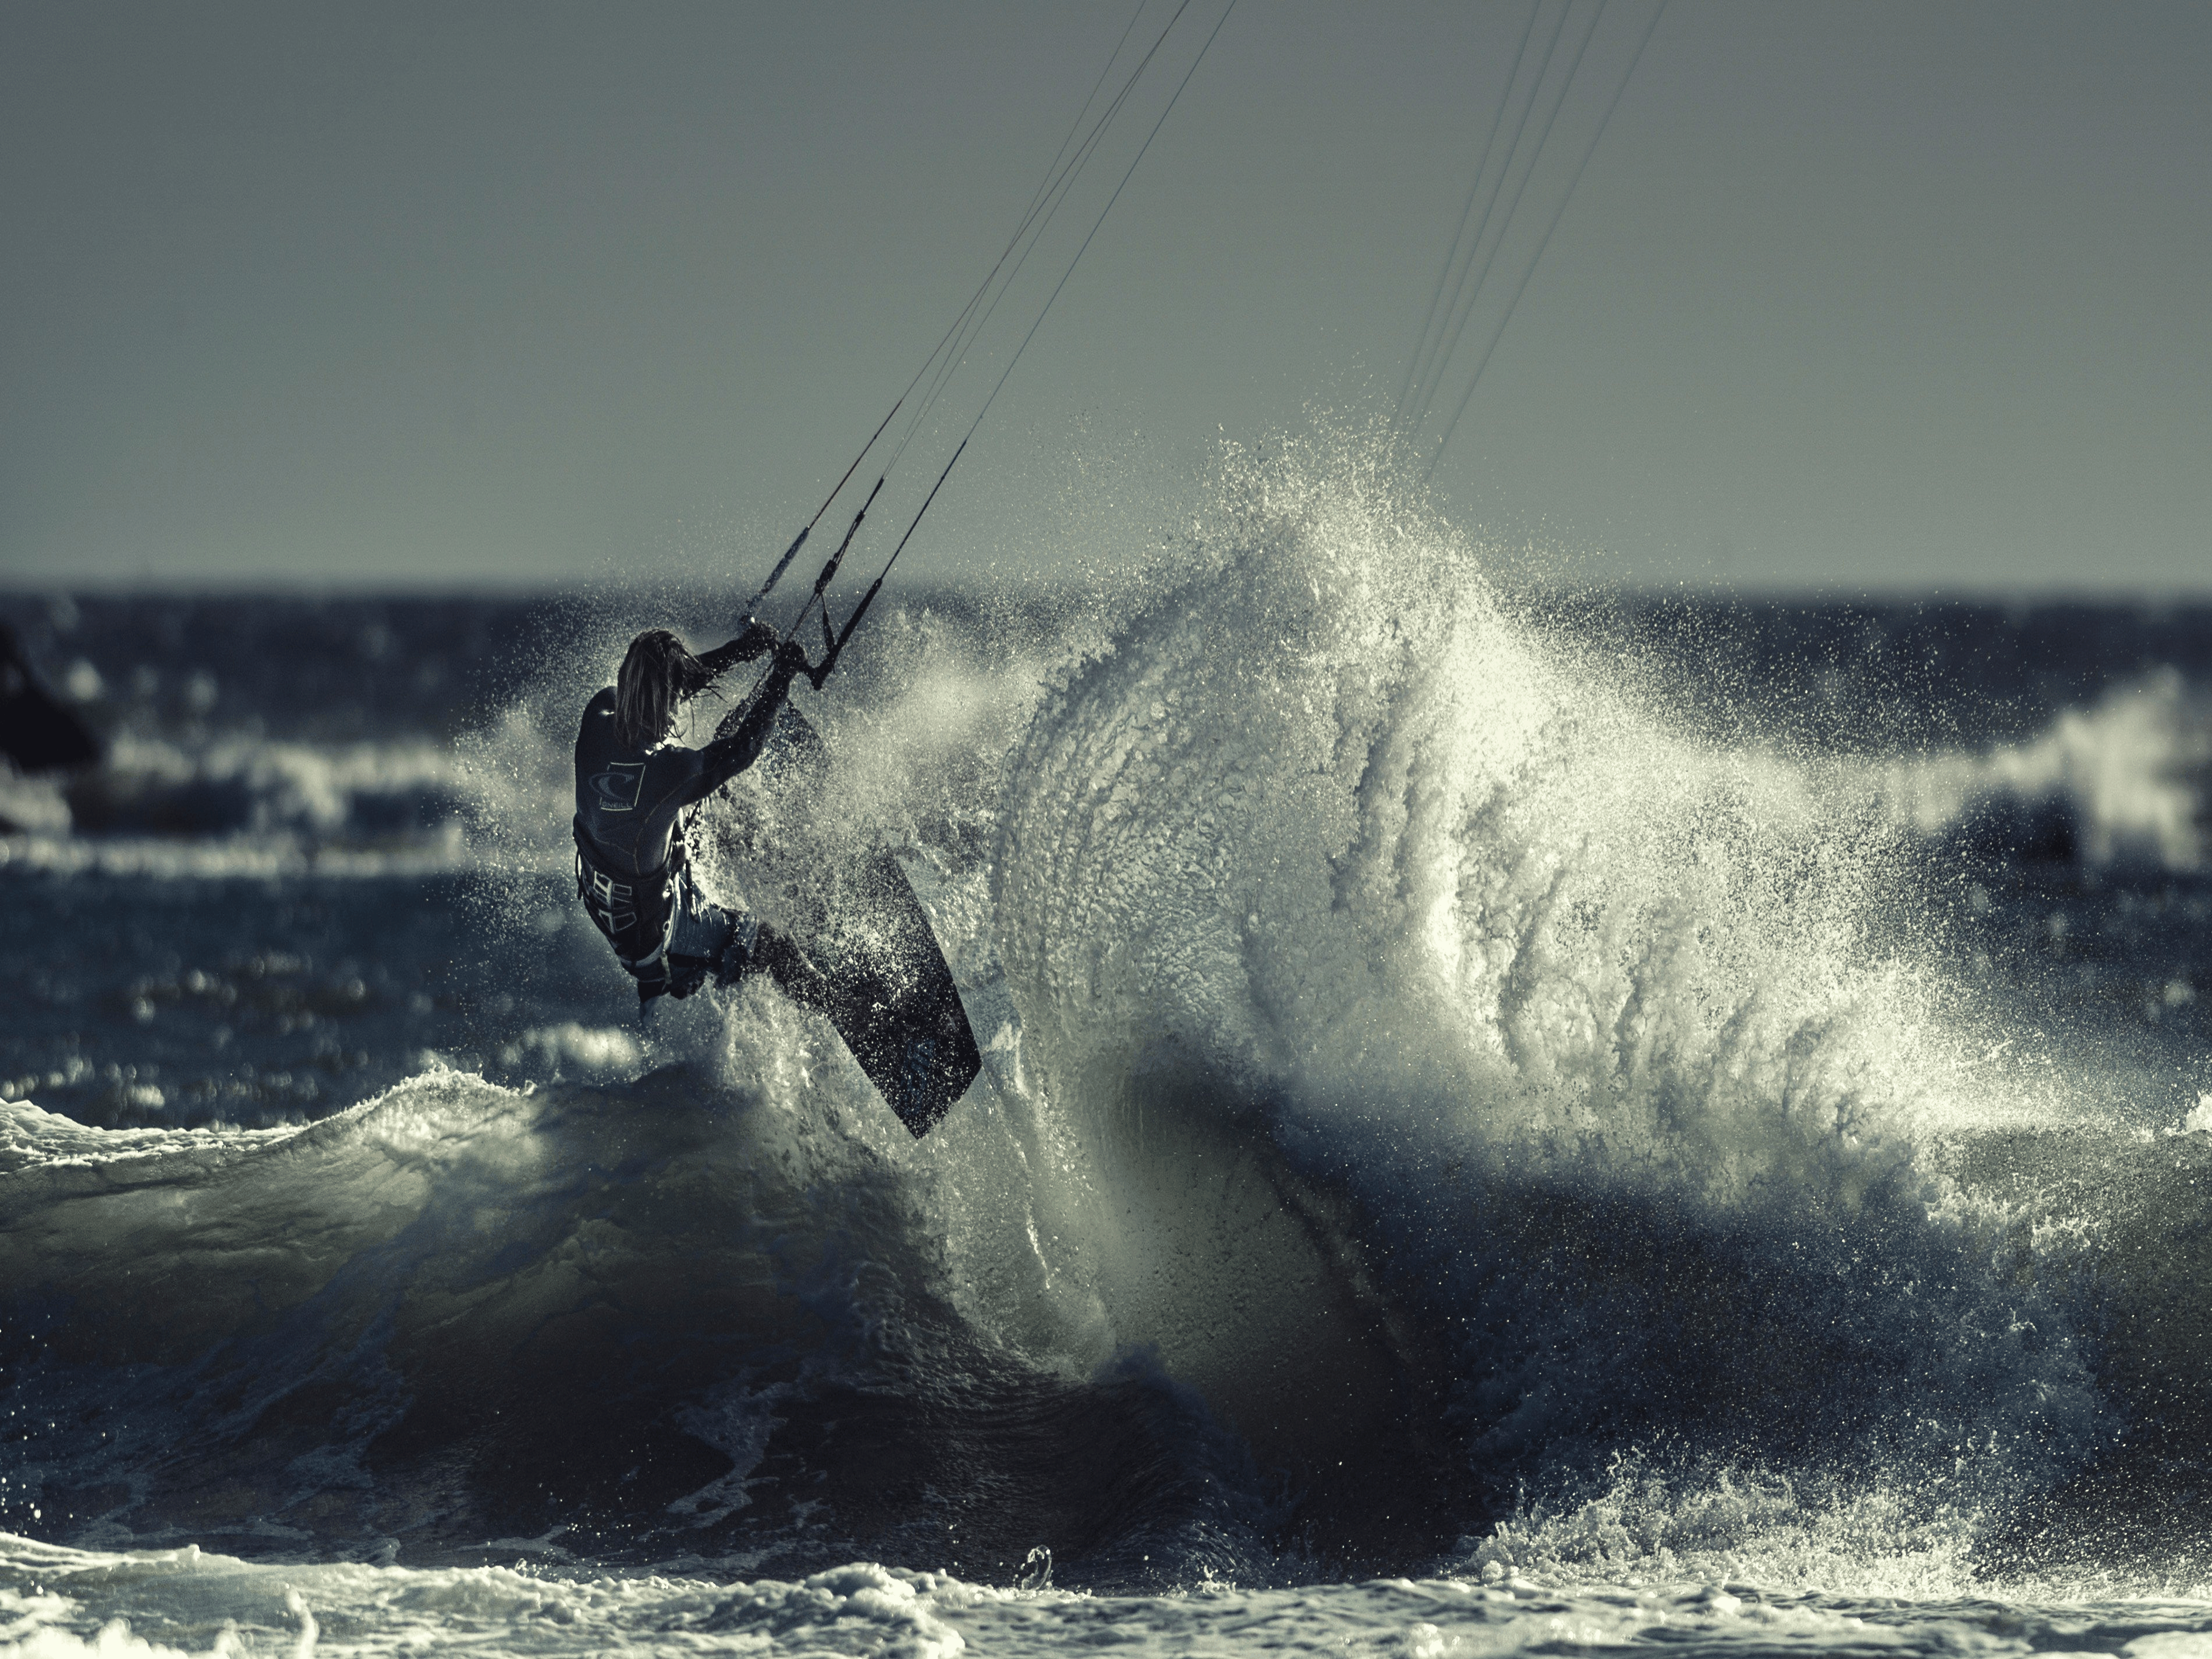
(634, 781)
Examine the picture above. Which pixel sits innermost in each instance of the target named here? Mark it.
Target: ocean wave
(241, 784)
(243, 805)
(1428, 1089)
(1618, 1039)
(711, 1312)
(30, 804)
(2122, 779)
(59, 1603)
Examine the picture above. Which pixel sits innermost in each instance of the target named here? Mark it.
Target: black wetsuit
(629, 848)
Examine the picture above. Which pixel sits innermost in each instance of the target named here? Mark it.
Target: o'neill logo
(617, 786)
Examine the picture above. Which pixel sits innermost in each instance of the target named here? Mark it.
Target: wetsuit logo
(617, 786)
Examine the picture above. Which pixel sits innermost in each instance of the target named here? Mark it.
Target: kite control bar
(753, 608)
(829, 575)
(836, 647)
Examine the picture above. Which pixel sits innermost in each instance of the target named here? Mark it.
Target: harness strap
(639, 911)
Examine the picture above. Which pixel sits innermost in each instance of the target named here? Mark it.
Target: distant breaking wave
(2127, 777)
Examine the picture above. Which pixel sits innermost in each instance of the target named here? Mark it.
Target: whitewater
(1497, 1136)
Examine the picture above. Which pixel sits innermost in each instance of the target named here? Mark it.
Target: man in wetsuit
(633, 782)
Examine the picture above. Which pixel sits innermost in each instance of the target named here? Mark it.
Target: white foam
(574, 1050)
(32, 804)
(307, 787)
(236, 804)
(213, 1604)
(31, 1137)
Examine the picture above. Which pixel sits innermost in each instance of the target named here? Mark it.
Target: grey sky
(1865, 296)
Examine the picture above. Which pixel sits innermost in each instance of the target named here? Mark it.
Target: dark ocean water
(1659, 1119)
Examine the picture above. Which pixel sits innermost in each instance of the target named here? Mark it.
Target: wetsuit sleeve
(757, 641)
(727, 756)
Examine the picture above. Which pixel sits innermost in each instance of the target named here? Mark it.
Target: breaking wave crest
(1617, 1039)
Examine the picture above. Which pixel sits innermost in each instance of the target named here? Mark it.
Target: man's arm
(757, 640)
(732, 752)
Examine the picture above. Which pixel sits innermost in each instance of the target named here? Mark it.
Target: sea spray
(1606, 1031)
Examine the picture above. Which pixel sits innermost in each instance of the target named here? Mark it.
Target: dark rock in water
(37, 733)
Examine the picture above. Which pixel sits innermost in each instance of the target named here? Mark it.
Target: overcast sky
(1858, 296)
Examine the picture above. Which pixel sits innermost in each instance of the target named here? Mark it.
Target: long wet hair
(657, 673)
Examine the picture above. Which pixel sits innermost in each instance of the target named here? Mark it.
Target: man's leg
(730, 945)
(702, 943)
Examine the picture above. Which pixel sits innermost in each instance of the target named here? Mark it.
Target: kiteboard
(890, 993)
